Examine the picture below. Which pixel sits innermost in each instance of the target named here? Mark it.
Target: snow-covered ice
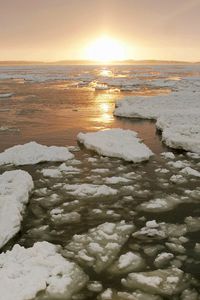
(160, 204)
(166, 282)
(126, 263)
(25, 272)
(116, 143)
(33, 153)
(100, 246)
(89, 190)
(14, 195)
(177, 115)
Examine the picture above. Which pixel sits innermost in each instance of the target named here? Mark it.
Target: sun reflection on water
(106, 73)
(105, 104)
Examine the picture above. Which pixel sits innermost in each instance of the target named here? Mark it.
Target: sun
(105, 49)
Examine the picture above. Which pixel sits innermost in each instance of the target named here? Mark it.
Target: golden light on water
(105, 107)
(106, 49)
(105, 73)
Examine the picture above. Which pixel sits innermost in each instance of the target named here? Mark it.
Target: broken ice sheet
(100, 246)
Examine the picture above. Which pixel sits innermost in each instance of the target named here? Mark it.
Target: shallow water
(54, 112)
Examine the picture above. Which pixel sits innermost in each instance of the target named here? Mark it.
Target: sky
(51, 30)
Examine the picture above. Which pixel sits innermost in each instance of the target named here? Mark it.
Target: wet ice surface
(132, 228)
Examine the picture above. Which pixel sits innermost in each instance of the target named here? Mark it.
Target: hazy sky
(61, 29)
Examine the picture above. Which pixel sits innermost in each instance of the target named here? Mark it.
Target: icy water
(51, 105)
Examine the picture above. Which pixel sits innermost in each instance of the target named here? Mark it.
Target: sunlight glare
(106, 49)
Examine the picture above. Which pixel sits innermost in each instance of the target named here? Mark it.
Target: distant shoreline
(86, 62)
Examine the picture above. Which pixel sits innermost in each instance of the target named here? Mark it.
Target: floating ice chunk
(25, 272)
(193, 223)
(116, 180)
(178, 164)
(33, 153)
(100, 171)
(176, 248)
(162, 171)
(95, 286)
(6, 128)
(106, 295)
(152, 250)
(160, 204)
(163, 259)
(89, 190)
(137, 295)
(193, 155)
(68, 169)
(53, 173)
(178, 179)
(128, 262)
(154, 230)
(116, 143)
(14, 195)
(6, 95)
(190, 295)
(100, 246)
(166, 282)
(59, 217)
(181, 131)
(190, 171)
(168, 155)
(177, 115)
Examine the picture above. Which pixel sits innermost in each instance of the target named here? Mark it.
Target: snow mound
(116, 143)
(165, 282)
(33, 153)
(100, 246)
(25, 272)
(14, 195)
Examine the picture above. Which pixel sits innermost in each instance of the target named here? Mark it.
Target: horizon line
(93, 62)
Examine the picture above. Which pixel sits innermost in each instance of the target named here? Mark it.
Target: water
(53, 112)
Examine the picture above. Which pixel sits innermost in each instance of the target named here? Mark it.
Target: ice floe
(25, 272)
(177, 115)
(158, 231)
(160, 204)
(116, 143)
(58, 172)
(190, 171)
(126, 263)
(14, 195)
(100, 246)
(6, 95)
(166, 282)
(111, 294)
(33, 153)
(89, 190)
